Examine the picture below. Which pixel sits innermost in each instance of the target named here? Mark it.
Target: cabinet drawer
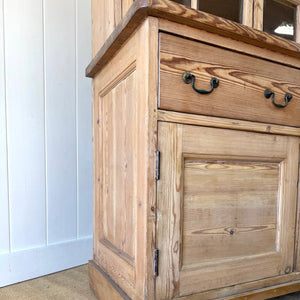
(242, 82)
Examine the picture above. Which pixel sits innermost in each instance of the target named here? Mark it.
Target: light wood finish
(172, 11)
(227, 163)
(232, 168)
(110, 11)
(248, 12)
(150, 91)
(298, 24)
(115, 242)
(258, 14)
(124, 191)
(125, 6)
(217, 40)
(251, 288)
(297, 233)
(103, 286)
(192, 119)
(242, 78)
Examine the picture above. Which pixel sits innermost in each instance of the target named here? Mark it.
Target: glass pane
(280, 18)
(184, 2)
(229, 9)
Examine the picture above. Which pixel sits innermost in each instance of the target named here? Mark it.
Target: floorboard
(66, 285)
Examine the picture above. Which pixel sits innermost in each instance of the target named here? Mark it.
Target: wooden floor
(71, 284)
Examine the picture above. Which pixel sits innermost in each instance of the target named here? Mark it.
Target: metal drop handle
(187, 77)
(287, 98)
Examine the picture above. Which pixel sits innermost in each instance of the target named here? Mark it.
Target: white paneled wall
(45, 137)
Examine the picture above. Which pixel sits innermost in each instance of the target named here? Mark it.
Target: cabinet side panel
(119, 162)
(106, 15)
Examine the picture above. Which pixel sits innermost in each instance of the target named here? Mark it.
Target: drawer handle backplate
(187, 77)
(287, 98)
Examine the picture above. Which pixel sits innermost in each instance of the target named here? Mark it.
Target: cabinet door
(226, 207)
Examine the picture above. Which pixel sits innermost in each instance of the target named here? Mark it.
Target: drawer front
(242, 82)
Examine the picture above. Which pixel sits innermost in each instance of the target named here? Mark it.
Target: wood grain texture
(241, 77)
(111, 12)
(298, 24)
(259, 294)
(297, 233)
(174, 12)
(192, 119)
(194, 273)
(169, 201)
(103, 286)
(211, 190)
(224, 42)
(125, 186)
(258, 14)
(148, 90)
(248, 12)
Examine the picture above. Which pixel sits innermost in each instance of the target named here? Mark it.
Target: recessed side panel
(116, 154)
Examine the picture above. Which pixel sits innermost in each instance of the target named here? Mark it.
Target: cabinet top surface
(178, 13)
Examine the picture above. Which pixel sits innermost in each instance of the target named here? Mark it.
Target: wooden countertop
(172, 11)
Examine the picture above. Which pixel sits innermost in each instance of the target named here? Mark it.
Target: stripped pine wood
(116, 196)
(182, 15)
(211, 190)
(168, 210)
(125, 6)
(111, 11)
(258, 14)
(217, 40)
(149, 34)
(187, 209)
(228, 166)
(125, 192)
(192, 119)
(298, 24)
(248, 12)
(243, 78)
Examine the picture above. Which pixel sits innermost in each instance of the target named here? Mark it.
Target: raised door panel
(226, 208)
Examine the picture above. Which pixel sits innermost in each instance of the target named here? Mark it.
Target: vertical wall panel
(25, 121)
(84, 121)
(4, 215)
(60, 85)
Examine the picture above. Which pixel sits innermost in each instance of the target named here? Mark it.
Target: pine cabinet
(196, 158)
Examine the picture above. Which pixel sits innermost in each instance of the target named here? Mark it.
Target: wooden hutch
(196, 149)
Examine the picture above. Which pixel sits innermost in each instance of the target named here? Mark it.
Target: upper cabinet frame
(252, 14)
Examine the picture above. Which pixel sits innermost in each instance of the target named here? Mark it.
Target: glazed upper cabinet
(278, 17)
(226, 207)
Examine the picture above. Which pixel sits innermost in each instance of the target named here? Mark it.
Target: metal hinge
(156, 256)
(157, 168)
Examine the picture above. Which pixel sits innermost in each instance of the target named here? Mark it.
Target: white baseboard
(23, 265)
